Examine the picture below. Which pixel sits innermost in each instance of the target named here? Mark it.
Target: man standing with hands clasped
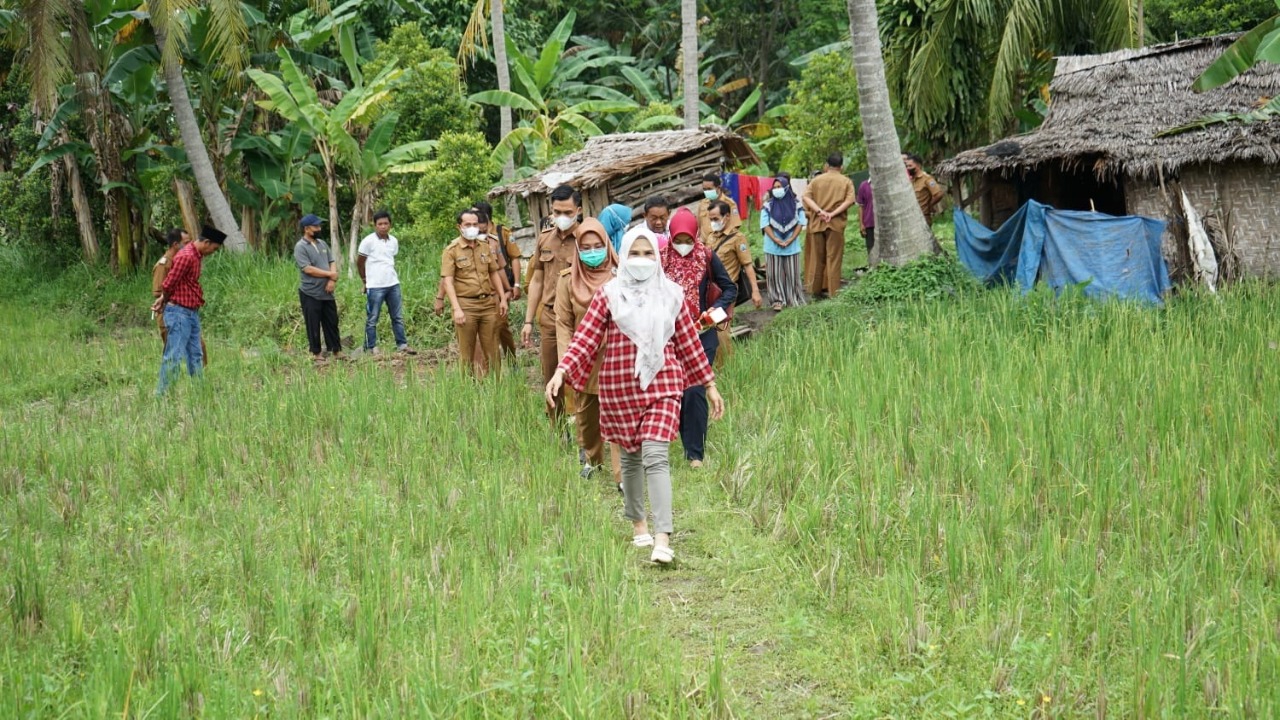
(828, 200)
(377, 267)
(318, 274)
(181, 298)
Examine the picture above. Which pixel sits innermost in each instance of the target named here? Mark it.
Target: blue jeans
(374, 298)
(183, 344)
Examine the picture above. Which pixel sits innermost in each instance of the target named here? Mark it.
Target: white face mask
(471, 233)
(710, 194)
(641, 269)
(717, 225)
(564, 222)
(683, 249)
(779, 193)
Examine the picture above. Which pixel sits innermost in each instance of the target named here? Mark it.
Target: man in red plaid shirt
(181, 298)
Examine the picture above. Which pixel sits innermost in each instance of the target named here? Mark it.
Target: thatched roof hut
(1098, 148)
(627, 168)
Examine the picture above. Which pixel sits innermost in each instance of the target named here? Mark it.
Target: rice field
(984, 506)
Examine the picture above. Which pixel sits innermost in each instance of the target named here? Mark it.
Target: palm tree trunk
(84, 213)
(499, 19)
(187, 206)
(201, 167)
(335, 227)
(901, 232)
(689, 44)
(1141, 24)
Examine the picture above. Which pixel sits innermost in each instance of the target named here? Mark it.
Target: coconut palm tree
(901, 232)
(467, 50)
(689, 71)
(229, 35)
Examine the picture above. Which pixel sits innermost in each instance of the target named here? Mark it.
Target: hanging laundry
(729, 184)
(747, 186)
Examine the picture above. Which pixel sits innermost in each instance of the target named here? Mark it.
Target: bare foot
(695, 464)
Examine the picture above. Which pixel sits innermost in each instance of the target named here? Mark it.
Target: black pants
(870, 235)
(693, 407)
(318, 315)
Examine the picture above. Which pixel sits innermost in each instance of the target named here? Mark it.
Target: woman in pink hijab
(706, 284)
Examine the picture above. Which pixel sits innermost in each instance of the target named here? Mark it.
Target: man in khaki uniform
(174, 240)
(507, 253)
(734, 250)
(556, 247)
(469, 273)
(928, 191)
(711, 192)
(828, 200)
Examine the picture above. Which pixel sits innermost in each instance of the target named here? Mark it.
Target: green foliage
(1260, 44)
(931, 277)
(25, 213)
(429, 97)
(653, 117)
(461, 173)
(822, 117)
(1179, 19)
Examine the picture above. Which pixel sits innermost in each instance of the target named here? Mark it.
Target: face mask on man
(641, 269)
(683, 248)
(779, 193)
(593, 258)
(564, 222)
(710, 194)
(717, 225)
(471, 232)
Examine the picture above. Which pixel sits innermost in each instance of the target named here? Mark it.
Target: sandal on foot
(663, 555)
(645, 540)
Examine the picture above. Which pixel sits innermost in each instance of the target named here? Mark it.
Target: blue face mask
(593, 258)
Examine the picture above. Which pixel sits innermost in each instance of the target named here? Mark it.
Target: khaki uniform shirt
(829, 190)
(553, 255)
(925, 187)
(733, 251)
(161, 269)
(568, 314)
(733, 222)
(470, 266)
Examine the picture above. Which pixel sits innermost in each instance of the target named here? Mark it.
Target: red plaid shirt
(182, 284)
(629, 415)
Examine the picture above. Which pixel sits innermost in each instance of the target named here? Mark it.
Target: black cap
(213, 234)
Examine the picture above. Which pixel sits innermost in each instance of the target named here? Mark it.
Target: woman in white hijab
(652, 353)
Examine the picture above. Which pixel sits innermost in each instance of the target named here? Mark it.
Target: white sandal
(645, 540)
(663, 555)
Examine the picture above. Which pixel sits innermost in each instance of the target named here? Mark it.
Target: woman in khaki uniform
(174, 240)
(591, 267)
(732, 247)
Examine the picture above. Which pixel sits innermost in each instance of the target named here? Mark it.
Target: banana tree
(376, 160)
(294, 98)
(1261, 44)
(556, 105)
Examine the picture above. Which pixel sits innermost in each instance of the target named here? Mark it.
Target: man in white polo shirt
(377, 268)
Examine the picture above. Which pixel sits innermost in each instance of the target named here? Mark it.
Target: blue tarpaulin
(1115, 256)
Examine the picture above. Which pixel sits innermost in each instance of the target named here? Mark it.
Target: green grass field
(981, 506)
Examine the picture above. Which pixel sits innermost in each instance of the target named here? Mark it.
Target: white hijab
(644, 311)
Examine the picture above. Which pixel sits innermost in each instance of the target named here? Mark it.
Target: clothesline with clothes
(748, 190)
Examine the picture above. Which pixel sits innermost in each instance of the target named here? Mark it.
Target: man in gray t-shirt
(318, 274)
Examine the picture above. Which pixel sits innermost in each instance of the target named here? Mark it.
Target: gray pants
(652, 462)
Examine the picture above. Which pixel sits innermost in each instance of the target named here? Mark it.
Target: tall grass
(1002, 498)
(975, 505)
(348, 543)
